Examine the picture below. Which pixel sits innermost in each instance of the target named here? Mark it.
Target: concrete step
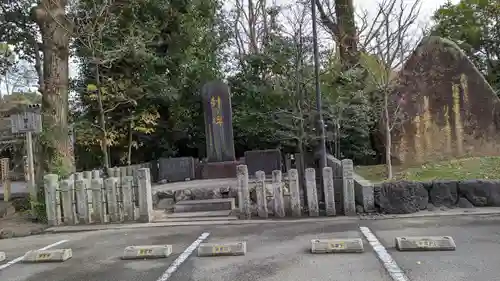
(163, 216)
(224, 213)
(222, 204)
(200, 219)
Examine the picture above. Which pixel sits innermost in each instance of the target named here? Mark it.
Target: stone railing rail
(88, 197)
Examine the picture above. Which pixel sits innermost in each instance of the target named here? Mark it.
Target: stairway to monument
(206, 205)
(197, 200)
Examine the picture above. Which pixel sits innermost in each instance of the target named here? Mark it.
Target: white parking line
(16, 260)
(182, 257)
(389, 263)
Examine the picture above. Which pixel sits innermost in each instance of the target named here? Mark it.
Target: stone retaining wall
(404, 197)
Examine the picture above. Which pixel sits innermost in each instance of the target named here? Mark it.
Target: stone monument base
(218, 170)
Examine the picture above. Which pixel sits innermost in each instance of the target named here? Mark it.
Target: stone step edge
(205, 201)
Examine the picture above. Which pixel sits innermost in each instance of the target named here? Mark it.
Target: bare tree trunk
(342, 27)
(102, 120)
(129, 154)
(265, 31)
(38, 66)
(388, 137)
(55, 30)
(37, 147)
(252, 26)
(348, 40)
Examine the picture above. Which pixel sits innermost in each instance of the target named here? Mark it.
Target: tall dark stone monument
(218, 122)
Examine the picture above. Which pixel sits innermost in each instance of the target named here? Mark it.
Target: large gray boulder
(160, 195)
(480, 192)
(182, 195)
(444, 193)
(402, 197)
(427, 185)
(205, 193)
(464, 203)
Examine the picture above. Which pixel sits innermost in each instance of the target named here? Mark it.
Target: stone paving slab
(475, 258)
(425, 243)
(97, 255)
(283, 252)
(275, 252)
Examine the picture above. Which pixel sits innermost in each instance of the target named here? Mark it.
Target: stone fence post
(96, 185)
(51, 185)
(67, 195)
(110, 187)
(293, 185)
(127, 195)
(260, 191)
(348, 186)
(81, 186)
(329, 191)
(279, 204)
(145, 195)
(312, 195)
(243, 191)
(5, 175)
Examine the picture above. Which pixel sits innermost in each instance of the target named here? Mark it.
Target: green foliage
(473, 25)
(154, 57)
(17, 29)
(40, 210)
(456, 169)
(273, 105)
(57, 165)
(7, 58)
(146, 61)
(350, 114)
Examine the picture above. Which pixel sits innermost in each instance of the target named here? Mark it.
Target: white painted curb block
(425, 243)
(222, 249)
(348, 245)
(56, 255)
(147, 252)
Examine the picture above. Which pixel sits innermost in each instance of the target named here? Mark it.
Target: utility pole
(321, 122)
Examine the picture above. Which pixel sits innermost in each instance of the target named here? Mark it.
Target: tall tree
(392, 38)
(55, 29)
(19, 31)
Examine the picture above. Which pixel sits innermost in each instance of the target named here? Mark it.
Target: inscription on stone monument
(218, 122)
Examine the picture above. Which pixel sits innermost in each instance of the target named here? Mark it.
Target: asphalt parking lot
(278, 251)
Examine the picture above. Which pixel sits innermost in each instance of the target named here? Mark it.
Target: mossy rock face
(446, 107)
